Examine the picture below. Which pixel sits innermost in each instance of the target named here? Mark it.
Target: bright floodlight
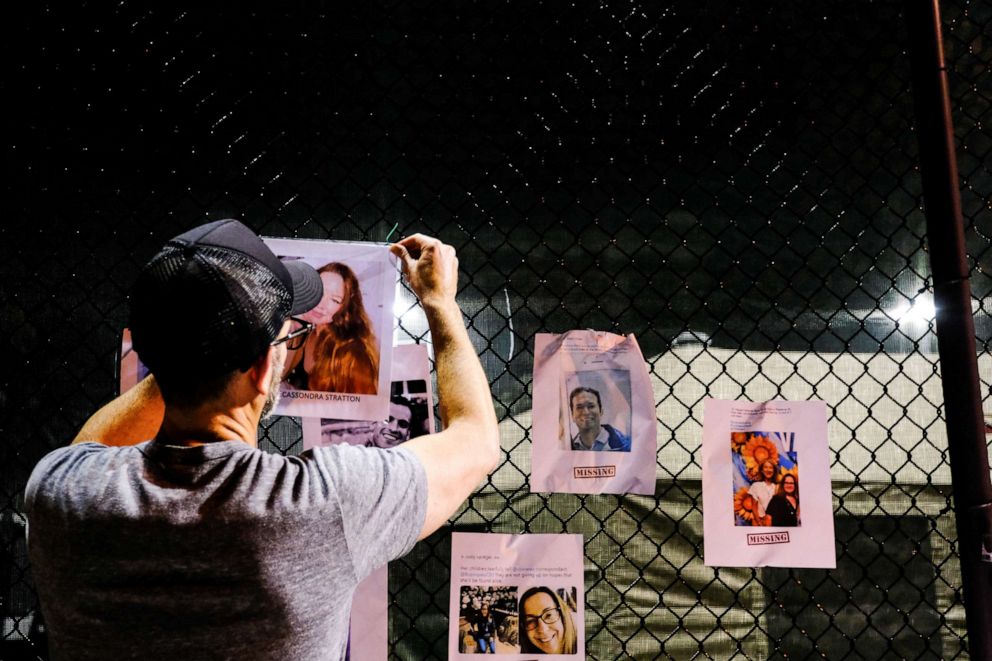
(920, 310)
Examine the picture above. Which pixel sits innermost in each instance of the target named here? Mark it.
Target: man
(587, 412)
(195, 544)
(398, 426)
(394, 431)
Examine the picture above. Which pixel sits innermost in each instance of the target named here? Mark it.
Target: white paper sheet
(130, 370)
(377, 274)
(411, 393)
(412, 381)
(754, 456)
(597, 380)
(368, 634)
(535, 577)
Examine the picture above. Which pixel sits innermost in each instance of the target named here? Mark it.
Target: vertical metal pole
(955, 325)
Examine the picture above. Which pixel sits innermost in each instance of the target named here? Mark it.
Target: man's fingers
(404, 255)
(419, 243)
(428, 263)
(449, 253)
(409, 245)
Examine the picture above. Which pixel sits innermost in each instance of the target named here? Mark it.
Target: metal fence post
(955, 325)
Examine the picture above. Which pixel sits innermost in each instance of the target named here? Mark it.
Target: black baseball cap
(213, 299)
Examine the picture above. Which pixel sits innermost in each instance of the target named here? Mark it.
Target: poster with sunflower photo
(755, 457)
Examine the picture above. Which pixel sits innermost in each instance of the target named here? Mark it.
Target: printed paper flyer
(342, 370)
(130, 370)
(410, 415)
(517, 596)
(594, 425)
(757, 460)
(411, 407)
(368, 635)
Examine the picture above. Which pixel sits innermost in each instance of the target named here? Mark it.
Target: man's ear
(260, 372)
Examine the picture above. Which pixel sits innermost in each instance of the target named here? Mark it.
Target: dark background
(738, 178)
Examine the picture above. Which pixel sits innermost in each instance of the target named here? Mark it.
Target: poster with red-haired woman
(341, 367)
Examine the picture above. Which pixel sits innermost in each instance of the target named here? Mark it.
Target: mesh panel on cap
(205, 310)
(257, 298)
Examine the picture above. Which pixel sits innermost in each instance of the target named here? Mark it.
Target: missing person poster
(130, 369)
(594, 427)
(518, 596)
(410, 415)
(411, 406)
(757, 460)
(368, 633)
(342, 369)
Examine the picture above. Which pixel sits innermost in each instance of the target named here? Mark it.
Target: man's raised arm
(457, 459)
(132, 418)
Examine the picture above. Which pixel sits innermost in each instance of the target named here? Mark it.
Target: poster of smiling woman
(519, 597)
(753, 513)
(341, 368)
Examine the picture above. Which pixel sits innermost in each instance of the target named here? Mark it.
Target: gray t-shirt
(219, 551)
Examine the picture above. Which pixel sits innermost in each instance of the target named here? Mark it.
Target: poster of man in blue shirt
(586, 407)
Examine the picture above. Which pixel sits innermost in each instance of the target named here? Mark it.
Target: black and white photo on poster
(411, 408)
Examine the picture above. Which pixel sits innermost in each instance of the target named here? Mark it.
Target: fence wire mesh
(736, 185)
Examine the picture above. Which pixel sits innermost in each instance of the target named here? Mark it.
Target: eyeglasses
(548, 616)
(295, 338)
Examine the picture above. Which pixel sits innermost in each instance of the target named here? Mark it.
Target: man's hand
(430, 266)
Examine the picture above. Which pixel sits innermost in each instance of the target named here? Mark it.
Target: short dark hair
(400, 400)
(581, 389)
(191, 389)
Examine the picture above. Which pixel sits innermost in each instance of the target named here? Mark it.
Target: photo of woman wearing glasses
(341, 353)
(547, 621)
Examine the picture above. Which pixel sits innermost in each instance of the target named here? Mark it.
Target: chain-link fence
(736, 185)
